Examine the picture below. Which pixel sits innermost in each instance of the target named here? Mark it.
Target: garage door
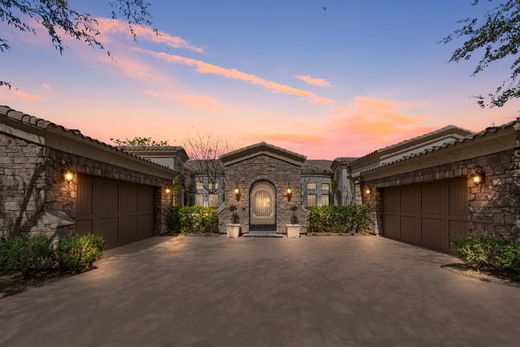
(121, 212)
(428, 214)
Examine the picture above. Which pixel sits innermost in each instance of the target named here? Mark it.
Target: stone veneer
(262, 167)
(35, 197)
(494, 206)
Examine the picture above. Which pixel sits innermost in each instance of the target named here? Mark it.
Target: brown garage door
(121, 212)
(428, 214)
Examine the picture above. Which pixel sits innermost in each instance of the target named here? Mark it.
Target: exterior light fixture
(368, 191)
(289, 193)
(237, 193)
(167, 190)
(68, 176)
(478, 176)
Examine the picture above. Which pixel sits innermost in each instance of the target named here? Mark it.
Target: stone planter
(233, 230)
(293, 230)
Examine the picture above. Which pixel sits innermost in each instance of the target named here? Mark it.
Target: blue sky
(387, 76)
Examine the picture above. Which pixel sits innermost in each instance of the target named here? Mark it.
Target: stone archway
(262, 206)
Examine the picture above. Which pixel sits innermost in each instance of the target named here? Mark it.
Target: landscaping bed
(492, 275)
(33, 260)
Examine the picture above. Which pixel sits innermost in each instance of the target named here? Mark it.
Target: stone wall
(34, 196)
(262, 167)
(494, 206)
(22, 184)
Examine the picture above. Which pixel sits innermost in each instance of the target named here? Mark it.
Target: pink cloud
(13, 94)
(107, 25)
(313, 81)
(207, 68)
(45, 86)
(356, 128)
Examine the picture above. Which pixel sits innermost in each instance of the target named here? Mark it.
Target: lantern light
(237, 193)
(68, 176)
(168, 190)
(289, 193)
(478, 176)
(368, 191)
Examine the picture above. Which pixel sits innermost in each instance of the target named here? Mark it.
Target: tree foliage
(497, 35)
(61, 20)
(140, 142)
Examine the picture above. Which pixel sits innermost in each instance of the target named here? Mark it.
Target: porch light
(368, 191)
(289, 193)
(167, 190)
(478, 176)
(237, 193)
(68, 176)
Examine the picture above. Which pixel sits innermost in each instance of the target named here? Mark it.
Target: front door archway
(262, 206)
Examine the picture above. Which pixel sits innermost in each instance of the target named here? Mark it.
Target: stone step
(253, 233)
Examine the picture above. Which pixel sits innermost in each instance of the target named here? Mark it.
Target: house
(425, 190)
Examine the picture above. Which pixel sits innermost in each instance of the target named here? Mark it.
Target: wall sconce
(478, 176)
(288, 191)
(68, 175)
(368, 191)
(167, 190)
(237, 193)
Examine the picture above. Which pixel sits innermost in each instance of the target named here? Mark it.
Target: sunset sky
(340, 82)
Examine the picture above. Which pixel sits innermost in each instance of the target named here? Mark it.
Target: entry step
(259, 233)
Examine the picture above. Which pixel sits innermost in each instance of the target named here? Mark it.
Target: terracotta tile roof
(9, 113)
(317, 167)
(258, 146)
(470, 138)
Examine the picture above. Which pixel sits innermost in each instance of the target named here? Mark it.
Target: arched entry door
(262, 206)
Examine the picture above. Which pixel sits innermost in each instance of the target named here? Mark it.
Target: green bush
(174, 220)
(24, 253)
(198, 219)
(484, 251)
(338, 219)
(77, 253)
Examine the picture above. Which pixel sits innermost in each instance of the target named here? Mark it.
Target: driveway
(315, 291)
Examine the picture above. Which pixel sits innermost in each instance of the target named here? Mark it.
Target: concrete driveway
(315, 291)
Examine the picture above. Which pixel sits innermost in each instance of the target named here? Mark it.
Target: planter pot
(233, 230)
(293, 230)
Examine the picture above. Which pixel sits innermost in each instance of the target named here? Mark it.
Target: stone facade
(494, 206)
(263, 167)
(36, 198)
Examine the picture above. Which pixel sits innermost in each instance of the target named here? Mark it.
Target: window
(311, 200)
(213, 185)
(325, 186)
(212, 199)
(199, 185)
(199, 200)
(311, 185)
(324, 200)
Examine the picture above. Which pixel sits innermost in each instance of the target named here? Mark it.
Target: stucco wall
(494, 206)
(262, 167)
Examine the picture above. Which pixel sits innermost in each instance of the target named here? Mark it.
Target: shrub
(174, 220)
(235, 219)
(198, 219)
(23, 253)
(77, 253)
(338, 219)
(294, 217)
(481, 251)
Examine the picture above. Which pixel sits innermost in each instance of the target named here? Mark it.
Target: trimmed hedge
(338, 219)
(198, 219)
(25, 253)
(489, 251)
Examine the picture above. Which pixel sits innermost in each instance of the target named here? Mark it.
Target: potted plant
(293, 229)
(233, 229)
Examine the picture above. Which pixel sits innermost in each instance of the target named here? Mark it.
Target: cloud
(196, 100)
(313, 81)
(207, 68)
(17, 94)
(107, 25)
(354, 128)
(45, 86)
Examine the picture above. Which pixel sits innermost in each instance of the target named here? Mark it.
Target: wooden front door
(262, 206)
